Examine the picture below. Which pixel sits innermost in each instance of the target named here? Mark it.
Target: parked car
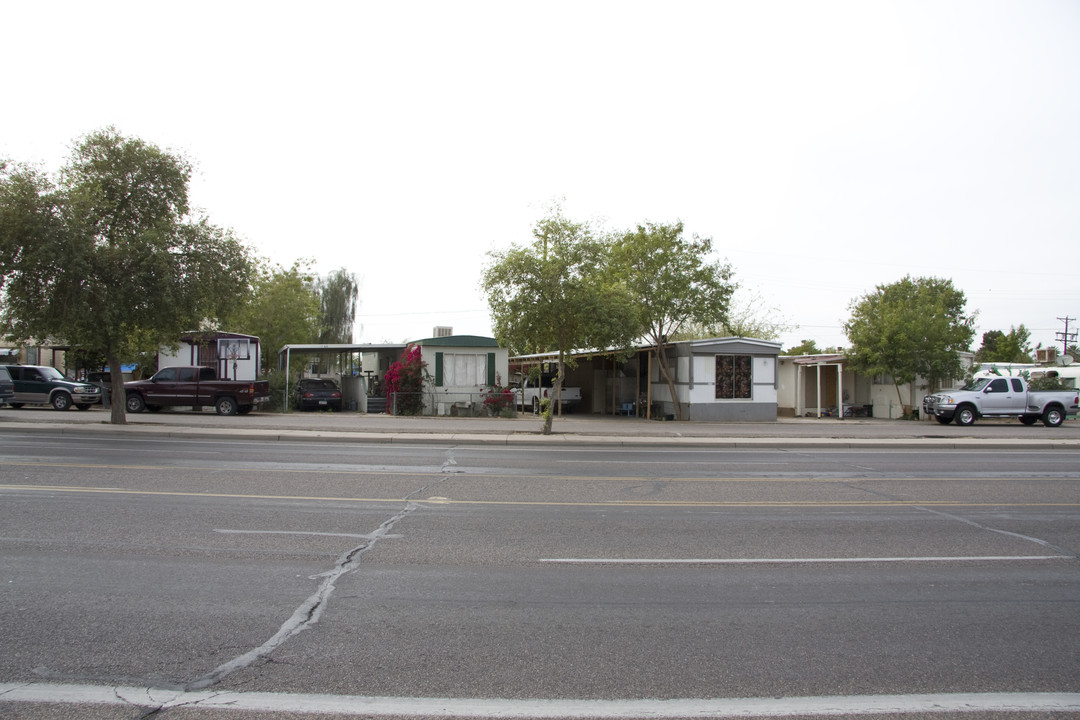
(44, 385)
(1002, 397)
(317, 394)
(195, 386)
(7, 386)
(104, 381)
(528, 394)
(99, 377)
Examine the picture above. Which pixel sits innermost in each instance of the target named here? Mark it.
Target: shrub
(277, 390)
(1047, 382)
(404, 383)
(499, 400)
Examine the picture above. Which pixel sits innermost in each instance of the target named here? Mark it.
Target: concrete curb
(555, 440)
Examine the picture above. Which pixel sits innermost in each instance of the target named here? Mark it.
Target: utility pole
(1066, 337)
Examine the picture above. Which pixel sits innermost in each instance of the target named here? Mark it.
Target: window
(734, 377)
(464, 369)
(999, 385)
(1017, 385)
(234, 348)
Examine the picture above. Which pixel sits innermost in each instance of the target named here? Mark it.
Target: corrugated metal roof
(459, 341)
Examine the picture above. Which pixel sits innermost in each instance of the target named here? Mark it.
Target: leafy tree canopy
(674, 286)
(108, 258)
(806, 347)
(910, 328)
(998, 346)
(283, 309)
(338, 293)
(554, 295)
(748, 316)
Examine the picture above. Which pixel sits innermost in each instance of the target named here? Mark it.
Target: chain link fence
(452, 404)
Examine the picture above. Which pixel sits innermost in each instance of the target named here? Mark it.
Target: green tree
(747, 317)
(1012, 347)
(555, 295)
(283, 309)
(674, 287)
(109, 259)
(806, 347)
(338, 293)
(910, 328)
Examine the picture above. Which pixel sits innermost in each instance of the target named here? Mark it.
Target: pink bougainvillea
(405, 383)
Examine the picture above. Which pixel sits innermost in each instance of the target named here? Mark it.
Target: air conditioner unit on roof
(1046, 355)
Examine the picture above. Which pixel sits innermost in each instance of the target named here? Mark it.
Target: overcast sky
(826, 147)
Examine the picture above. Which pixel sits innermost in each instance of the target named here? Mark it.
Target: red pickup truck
(196, 387)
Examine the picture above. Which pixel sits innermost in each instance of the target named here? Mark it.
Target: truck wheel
(225, 406)
(942, 419)
(135, 403)
(82, 406)
(61, 401)
(1053, 417)
(16, 405)
(1029, 419)
(536, 406)
(965, 415)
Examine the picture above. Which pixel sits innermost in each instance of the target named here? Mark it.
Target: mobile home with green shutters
(462, 369)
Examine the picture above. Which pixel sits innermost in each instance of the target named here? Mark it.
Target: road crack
(1007, 533)
(308, 612)
(972, 523)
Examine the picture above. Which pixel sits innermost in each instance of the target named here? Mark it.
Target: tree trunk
(665, 372)
(553, 398)
(903, 408)
(119, 400)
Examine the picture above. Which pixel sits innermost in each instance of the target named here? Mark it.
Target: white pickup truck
(528, 395)
(1002, 397)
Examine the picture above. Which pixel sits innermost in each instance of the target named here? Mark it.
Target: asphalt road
(536, 581)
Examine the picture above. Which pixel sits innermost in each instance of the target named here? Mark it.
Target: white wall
(186, 354)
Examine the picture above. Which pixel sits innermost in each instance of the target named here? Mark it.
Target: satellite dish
(1065, 359)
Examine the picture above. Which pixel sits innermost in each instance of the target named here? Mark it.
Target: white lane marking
(780, 561)
(311, 704)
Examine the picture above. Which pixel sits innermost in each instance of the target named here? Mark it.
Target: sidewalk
(566, 431)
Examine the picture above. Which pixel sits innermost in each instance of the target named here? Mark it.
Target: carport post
(818, 392)
(285, 400)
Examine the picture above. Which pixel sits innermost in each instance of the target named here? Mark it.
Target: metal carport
(285, 356)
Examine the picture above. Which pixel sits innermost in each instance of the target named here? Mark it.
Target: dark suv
(44, 385)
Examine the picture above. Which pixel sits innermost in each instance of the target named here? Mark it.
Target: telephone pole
(1066, 337)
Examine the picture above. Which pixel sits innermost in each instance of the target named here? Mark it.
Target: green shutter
(438, 369)
(491, 369)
